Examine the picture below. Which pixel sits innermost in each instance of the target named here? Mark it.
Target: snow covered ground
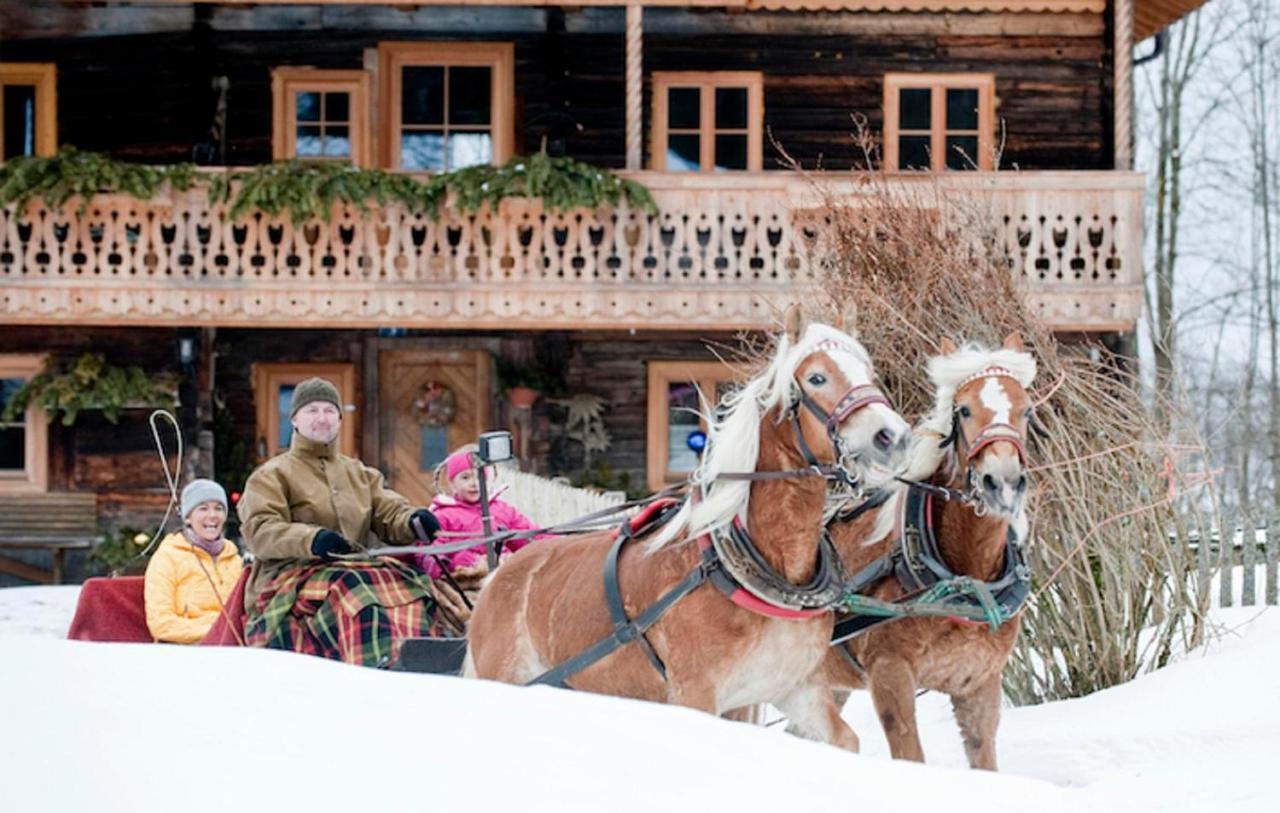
(148, 727)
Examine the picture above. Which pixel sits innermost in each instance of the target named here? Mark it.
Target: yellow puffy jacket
(180, 598)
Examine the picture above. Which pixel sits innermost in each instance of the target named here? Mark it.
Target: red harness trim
(1007, 434)
(757, 605)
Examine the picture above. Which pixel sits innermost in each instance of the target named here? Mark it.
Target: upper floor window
(708, 122)
(24, 445)
(939, 121)
(446, 105)
(320, 114)
(28, 109)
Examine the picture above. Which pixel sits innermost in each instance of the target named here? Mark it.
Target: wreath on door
(437, 406)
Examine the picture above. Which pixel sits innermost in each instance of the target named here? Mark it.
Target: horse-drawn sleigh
(814, 515)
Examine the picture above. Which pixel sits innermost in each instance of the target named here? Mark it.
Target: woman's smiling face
(207, 520)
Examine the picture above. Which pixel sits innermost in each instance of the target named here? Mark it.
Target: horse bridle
(854, 400)
(992, 433)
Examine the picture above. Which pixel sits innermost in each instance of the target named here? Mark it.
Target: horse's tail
(468, 665)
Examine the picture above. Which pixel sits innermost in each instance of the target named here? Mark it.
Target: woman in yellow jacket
(193, 571)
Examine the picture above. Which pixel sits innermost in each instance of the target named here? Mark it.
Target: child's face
(466, 486)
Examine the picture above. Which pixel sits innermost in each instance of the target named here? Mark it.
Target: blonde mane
(733, 442)
(927, 456)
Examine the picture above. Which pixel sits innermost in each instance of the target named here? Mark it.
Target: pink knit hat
(456, 464)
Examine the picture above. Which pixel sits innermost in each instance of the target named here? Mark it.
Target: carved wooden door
(430, 403)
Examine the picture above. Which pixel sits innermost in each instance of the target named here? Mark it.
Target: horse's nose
(1003, 490)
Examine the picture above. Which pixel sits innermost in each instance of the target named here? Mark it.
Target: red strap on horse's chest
(749, 601)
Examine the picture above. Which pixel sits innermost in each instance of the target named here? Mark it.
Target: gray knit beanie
(314, 389)
(198, 491)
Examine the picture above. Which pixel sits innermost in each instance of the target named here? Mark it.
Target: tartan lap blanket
(356, 612)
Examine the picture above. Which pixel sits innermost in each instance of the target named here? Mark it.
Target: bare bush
(1116, 591)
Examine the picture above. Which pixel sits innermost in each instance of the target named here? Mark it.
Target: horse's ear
(1014, 342)
(847, 319)
(946, 347)
(795, 322)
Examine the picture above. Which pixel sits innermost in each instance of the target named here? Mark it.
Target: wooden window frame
(707, 375)
(35, 476)
(707, 82)
(267, 380)
(985, 84)
(285, 85)
(498, 56)
(44, 75)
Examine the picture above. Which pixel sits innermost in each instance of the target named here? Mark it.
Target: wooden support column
(635, 85)
(1122, 56)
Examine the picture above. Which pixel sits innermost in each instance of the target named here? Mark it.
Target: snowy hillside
(148, 727)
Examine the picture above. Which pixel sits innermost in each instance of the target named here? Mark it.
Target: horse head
(982, 400)
(841, 417)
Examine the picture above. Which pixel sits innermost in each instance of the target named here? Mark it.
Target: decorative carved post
(1122, 48)
(635, 84)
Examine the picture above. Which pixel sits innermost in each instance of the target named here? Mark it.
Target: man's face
(318, 421)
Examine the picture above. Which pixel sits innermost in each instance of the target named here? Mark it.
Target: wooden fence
(548, 502)
(1242, 573)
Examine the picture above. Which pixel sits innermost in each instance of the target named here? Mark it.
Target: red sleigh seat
(113, 609)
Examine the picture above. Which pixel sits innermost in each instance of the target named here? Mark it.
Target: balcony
(725, 252)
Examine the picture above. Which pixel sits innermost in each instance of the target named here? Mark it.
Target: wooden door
(413, 441)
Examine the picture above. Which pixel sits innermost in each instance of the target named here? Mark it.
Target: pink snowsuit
(464, 517)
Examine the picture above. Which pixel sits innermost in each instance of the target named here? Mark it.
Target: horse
(971, 447)
(813, 408)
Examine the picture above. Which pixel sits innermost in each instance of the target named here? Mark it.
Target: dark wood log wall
(147, 95)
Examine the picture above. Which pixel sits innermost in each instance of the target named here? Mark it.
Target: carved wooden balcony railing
(725, 252)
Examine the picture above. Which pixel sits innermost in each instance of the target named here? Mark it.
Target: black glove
(328, 544)
(424, 519)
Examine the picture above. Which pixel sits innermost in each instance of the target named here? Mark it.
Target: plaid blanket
(357, 612)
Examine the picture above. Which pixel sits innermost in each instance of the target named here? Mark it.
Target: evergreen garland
(55, 179)
(88, 383)
(310, 189)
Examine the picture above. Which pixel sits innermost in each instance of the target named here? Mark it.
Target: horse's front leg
(893, 689)
(978, 714)
(813, 714)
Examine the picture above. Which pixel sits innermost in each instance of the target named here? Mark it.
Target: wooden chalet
(687, 98)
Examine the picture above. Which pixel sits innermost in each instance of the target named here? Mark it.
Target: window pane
(683, 153)
(308, 143)
(284, 398)
(337, 107)
(914, 109)
(682, 421)
(308, 105)
(962, 152)
(13, 437)
(337, 142)
(469, 149)
(962, 108)
(19, 121)
(682, 109)
(470, 94)
(913, 152)
(731, 152)
(421, 150)
(731, 108)
(422, 95)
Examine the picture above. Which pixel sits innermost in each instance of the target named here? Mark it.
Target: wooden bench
(56, 522)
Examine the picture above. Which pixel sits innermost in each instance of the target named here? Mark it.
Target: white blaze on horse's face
(990, 408)
(834, 366)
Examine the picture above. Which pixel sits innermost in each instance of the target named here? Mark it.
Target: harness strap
(622, 635)
(613, 593)
(997, 433)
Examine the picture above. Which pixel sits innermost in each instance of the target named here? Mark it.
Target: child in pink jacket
(459, 512)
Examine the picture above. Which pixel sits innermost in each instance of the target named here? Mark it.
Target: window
(674, 409)
(28, 109)
(445, 106)
(24, 445)
(273, 394)
(705, 122)
(940, 121)
(320, 115)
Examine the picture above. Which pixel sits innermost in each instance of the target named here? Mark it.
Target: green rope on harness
(938, 601)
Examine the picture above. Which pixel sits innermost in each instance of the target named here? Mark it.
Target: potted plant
(522, 383)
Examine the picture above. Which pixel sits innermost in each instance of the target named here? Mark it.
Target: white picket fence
(548, 502)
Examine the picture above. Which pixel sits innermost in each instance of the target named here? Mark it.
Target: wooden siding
(1051, 84)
